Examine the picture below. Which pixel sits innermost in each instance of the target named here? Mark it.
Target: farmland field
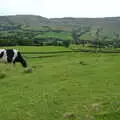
(71, 86)
(38, 49)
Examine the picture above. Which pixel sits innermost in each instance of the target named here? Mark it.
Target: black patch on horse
(20, 59)
(1, 54)
(10, 54)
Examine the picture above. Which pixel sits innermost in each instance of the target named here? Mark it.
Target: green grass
(39, 49)
(88, 36)
(64, 36)
(61, 85)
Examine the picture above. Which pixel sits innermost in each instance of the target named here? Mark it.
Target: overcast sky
(61, 8)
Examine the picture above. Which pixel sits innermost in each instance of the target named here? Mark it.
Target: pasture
(65, 86)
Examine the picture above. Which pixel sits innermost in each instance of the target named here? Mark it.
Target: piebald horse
(12, 56)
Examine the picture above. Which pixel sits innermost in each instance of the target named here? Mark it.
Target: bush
(66, 43)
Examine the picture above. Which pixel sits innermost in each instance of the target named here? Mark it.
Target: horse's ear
(1, 54)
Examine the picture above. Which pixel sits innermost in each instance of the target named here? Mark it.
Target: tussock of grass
(83, 63)
(69, 116)
(28, 70)
(2, 75)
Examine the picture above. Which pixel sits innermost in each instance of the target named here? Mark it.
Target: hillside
(109, 23)
(24, 20)
(38, 30)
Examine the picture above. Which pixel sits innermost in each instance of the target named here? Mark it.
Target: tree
(98, 37)
(116, 40)
(75, 37)
(66, 43)
(104, 41)
(77, 33)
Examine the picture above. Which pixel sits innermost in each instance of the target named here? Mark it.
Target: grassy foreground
(71, 86)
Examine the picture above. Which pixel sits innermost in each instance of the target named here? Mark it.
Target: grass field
(38, 49)
(70, 86)
(64, 36)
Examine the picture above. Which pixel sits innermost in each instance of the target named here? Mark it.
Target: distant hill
(24, 20)
(108, 23)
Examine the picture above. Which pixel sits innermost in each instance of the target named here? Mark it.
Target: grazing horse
(12, 56)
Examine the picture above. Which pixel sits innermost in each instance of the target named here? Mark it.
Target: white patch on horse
(4, 57)
(15, 54)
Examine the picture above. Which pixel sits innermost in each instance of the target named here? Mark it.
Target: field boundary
(74, 50)
(100, 51)
(52, 52)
